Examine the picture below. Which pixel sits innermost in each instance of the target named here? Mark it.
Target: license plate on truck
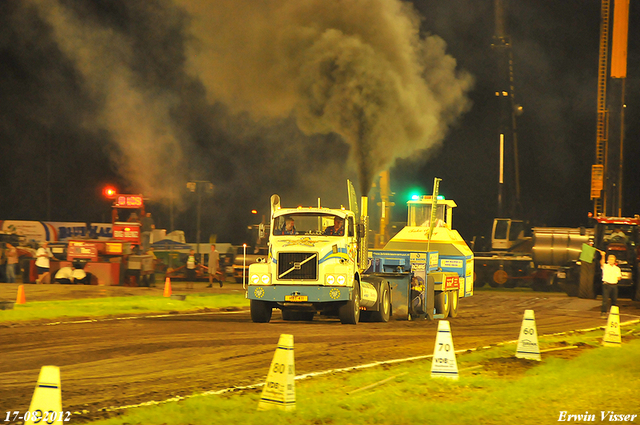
(295, 298)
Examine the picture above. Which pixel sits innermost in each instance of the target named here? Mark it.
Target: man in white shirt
(611, 274)
(43, 255)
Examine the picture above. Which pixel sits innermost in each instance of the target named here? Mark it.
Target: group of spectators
(9, 258)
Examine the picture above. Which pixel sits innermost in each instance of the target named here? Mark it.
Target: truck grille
(292, 265)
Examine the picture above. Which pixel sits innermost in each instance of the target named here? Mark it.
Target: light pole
(244, 265)
(198, 186)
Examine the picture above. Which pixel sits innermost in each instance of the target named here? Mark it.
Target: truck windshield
(618, 233)
(420, 215)
(308, 224)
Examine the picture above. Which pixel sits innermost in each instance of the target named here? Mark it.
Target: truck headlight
(336, 279)
(256, 279)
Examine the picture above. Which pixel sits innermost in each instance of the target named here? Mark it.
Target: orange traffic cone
(21, 298)
(167, 287)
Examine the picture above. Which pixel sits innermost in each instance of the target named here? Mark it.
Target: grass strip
(116, 306)
(504, 390)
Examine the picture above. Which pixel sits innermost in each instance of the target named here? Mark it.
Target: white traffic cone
(443, 363)
(279, 391)
(611, 336)
(528, 347)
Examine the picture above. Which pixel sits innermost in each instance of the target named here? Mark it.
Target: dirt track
(121, 362)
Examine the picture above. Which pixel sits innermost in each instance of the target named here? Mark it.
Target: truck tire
(349, 313)
(453, 310)
(384, 304)
(586, 288)
(480, 279)
(260, 311)
(443, 303)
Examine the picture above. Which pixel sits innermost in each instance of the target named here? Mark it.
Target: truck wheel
(349, 313)
(453, 310)
(442, 303)
(384, 304)
(480, 280)
(587, 272)
(260, 311)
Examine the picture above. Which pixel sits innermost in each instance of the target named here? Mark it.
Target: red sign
(87, 250)
(128, 201)
(126, 232)
(619, 220)
(451, 282)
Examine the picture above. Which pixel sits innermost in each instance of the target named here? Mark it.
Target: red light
(254, 212)
(109, 192)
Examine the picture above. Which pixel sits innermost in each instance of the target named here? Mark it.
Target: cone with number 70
(528, 347)
(443, 363)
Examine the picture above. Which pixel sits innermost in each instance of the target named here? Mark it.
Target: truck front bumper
(298, 293)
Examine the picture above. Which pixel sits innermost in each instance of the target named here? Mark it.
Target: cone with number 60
(528, 347)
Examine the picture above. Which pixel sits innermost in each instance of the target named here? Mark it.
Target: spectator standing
(191, 269)
(43, 257)
(611, 274)
(147, 227)
(12, 262)
(214, 266)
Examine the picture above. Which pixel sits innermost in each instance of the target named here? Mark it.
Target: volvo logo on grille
(297, 265)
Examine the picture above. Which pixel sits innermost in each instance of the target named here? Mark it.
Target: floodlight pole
(197, 186)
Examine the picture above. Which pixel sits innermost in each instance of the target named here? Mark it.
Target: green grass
(111, 306)
(599, 379)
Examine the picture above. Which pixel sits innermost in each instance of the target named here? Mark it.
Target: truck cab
(317, 257)
(619, 236)
(311, 265)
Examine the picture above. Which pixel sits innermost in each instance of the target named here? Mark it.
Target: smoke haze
(355, 68)
(146, 149)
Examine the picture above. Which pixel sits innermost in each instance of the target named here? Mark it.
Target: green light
(440, 197)
(415, 197)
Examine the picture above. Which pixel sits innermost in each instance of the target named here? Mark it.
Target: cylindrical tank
(557, 246)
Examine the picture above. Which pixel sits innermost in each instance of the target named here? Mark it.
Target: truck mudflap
(298, 293)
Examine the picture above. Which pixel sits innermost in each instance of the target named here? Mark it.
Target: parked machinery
(540, 257)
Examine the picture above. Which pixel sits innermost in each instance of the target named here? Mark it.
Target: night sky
(292, 98)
